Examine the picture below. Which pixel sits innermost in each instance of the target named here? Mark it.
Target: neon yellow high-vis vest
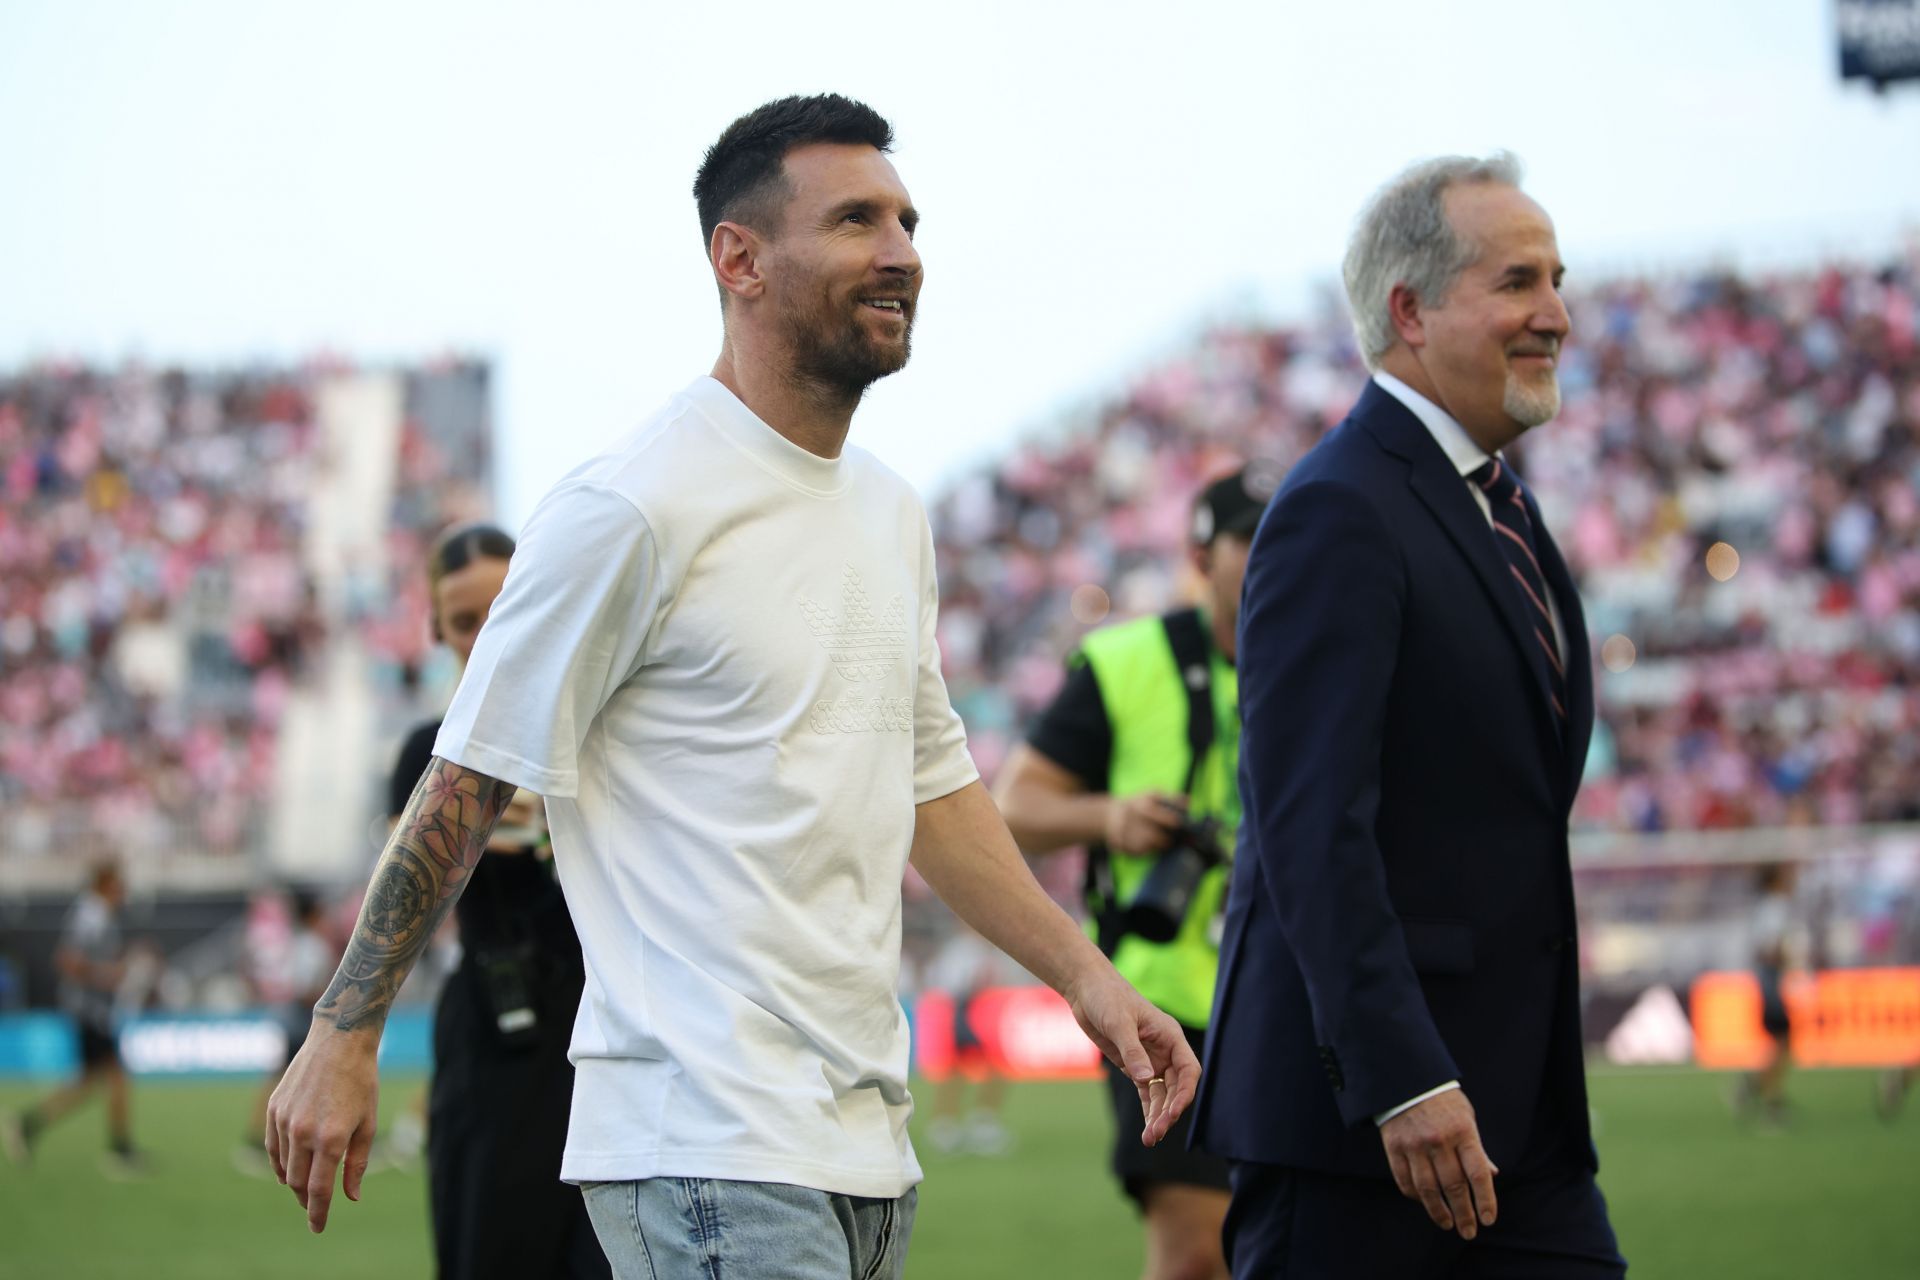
(1146, 700)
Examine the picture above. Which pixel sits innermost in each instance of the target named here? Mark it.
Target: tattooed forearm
(428, 859)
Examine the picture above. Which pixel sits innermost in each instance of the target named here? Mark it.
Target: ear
(1405, 310)
(1202, 559)
(735, 254)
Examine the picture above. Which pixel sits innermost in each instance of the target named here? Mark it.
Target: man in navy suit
(1394, 1066)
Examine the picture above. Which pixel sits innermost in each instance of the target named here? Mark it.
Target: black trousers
(1289, 1224)
(496, 1127)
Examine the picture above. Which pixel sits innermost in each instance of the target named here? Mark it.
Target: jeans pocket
(614, 1210)
(883, 1241)
(890, 1239)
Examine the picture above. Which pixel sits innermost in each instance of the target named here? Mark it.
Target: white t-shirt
(714, 655)
(1772, 917)
(93, 930)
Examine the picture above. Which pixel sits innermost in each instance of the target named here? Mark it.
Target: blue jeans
(707, 1229)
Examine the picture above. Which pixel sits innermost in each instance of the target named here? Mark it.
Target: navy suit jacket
(1401, 906)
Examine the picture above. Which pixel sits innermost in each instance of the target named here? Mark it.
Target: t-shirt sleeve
(941, 763)
(570, 627)
(416, 753)
(1074, 731)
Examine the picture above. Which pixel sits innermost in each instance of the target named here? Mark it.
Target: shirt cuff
(1411, 1103)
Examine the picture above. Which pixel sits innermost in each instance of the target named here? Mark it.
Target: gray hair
(1403, 237)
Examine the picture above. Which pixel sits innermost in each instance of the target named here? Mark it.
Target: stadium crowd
(156, 610)
(1733, 477)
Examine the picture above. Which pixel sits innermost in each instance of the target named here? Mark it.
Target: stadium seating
(159, 600)
(1772, 681)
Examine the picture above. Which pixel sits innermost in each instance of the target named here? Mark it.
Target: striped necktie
(1513, 531)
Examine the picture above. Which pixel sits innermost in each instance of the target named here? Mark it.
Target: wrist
(1087, 970)
(361, 1029)
(1390, 1113)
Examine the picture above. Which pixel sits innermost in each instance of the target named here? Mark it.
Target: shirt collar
(1466, 456)
(823, 477)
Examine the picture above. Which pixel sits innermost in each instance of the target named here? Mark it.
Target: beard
(834, 350)
(1531, 404)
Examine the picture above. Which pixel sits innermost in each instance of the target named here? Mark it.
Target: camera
(1165, 895)
(509, 976)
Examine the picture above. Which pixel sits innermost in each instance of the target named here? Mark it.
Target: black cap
(1234, 503)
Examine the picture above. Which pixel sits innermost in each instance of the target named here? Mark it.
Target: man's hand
(1144, 822)
(1435, 1152)
(325, 1105)
(325, 1109)
(968, 856)
(1143, 1042)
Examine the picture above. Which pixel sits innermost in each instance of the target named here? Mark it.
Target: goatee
(1531, 405)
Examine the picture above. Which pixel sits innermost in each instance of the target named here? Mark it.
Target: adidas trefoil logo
(864, 645)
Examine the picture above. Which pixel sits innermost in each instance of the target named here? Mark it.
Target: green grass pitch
(1835, 1196)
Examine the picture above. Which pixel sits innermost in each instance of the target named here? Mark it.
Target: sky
(223, 183)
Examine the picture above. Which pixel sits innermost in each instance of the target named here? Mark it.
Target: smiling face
(1491, 347)
(842, 274)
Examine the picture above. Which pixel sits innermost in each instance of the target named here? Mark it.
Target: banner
(1839, 1018)
(1879, 40)
(251, 1043)
(1023, 1033)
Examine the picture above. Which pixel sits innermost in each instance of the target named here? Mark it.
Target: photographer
(1136, 758)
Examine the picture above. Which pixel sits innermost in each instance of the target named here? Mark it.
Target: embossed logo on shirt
(865, 646)
(863, 715)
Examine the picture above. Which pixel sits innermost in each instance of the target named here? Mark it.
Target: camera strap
(1193, 657)
(1102, 899)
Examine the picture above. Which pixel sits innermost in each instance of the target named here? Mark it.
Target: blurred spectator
(1734, 476)
(1762, 1094)
(157, 609)
(966, 966)
(95, 962)
(296, 963)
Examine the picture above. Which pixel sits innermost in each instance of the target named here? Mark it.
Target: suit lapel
(1444, 493)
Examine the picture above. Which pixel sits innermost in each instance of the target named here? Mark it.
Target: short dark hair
(453, 551)
(740, 178)
(461, 545)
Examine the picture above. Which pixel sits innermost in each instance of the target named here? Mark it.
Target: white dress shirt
(1466, 457)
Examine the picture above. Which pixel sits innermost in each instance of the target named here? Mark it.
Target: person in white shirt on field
(714, 655)
(1762, 1095)
(94, 961)
(298, 970)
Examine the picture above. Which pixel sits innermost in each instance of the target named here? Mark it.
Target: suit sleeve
(1320, 631)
